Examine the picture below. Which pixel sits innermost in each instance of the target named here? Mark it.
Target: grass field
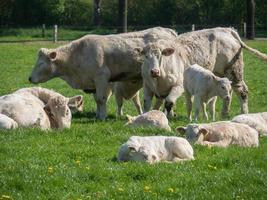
(80, 163)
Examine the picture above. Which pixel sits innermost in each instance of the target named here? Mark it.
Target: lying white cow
(162, 75)
(153, 118)
(221, 134)
(205, 87)
(93, 61)
(128, 90)
(36, 107)
(257, 121)
(154, 149)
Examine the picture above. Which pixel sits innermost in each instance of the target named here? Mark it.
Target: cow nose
(30, 79)
(154, 73)
(227, 98)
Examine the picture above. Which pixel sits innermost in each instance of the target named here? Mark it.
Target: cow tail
(254, 51)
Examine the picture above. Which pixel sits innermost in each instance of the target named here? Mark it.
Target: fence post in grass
(245, 30)
(193, 27)
(55, 33)
(43, 30)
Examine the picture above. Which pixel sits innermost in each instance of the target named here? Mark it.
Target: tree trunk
(122, 16)
(96, 11)
(250, 19)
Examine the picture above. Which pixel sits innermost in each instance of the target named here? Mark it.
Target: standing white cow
(205, 87)
(153, 149)
(222, 134)
(162, 75)
(218, 50)
(93, 61)
(257, 121)
(36, 107)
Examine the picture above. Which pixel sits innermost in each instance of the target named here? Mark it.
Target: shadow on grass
(86, 117)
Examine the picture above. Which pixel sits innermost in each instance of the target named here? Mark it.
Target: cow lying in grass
(222, 134)
(155, 149)
(257, 121)
(205, 87)
(153, 118)
(37, 107)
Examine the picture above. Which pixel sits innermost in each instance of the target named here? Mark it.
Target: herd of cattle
(201, 64)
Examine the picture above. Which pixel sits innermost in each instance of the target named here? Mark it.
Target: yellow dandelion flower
(147, 188)
(120, 189)
(88, 168)
(170, 190)
(50, 169)
(78, 162)
(6, 197)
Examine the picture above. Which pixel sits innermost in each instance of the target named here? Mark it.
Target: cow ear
(204, 131)
(132, 148)
(76, 100)
(47, 109)
(167, 51)
(52, 55)
(181, 130)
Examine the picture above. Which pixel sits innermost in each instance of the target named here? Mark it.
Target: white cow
(222, 134)
(205, 87)
(153, 149)
(162, 75)
(93, 61)
(36, 107)
(257, 121)
(218, 50)
(153, 118)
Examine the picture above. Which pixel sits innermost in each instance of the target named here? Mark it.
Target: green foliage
(80, 163)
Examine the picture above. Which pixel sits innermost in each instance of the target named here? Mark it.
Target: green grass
(80, 163)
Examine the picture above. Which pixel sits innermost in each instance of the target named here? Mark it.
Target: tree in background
(250, 19)
(96, 15)
(122, 16)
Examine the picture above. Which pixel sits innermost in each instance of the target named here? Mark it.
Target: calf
(154, 149)
(153, 118)
(204, 86)
(221, 134)
(257, 121)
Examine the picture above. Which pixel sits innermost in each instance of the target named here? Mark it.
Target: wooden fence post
(193, 27)
(43, 30)
(55, 33)
(245, 30)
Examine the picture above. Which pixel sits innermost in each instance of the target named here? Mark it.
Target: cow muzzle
(227, 98)
(155, 73)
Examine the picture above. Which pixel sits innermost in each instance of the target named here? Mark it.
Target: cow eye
(223, 87)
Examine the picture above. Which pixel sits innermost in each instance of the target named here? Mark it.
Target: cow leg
(198, 105)
(211, 105)
(205, 115)
(97, 106)
(171, 99)
(159, 102)
(137, 103)
(241, 90)
(189, 100)
(119, 101)
(148, 95)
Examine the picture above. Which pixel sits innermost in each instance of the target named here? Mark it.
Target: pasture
(80, 163)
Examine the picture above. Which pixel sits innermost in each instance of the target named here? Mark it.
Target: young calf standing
(155, 149)
(204, 86)
(221, 134)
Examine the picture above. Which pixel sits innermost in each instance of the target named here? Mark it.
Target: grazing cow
(128, 90)
(220, 51)
(93, 61)
(153, 118)
(205, 87)
(35, 107)
(162, 75)
(154, 149)
(222, 134)
(257, 121)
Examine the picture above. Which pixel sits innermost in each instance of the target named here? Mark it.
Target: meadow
(80, 163)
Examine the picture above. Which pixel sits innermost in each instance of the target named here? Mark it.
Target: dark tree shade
(96, 15)
(122, 16)
(250, 19)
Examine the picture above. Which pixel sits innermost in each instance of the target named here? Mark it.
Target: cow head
(44, 68)
(193, 132)
(58, 112)
(141, 153)
(224, 88)
(76, 104)
(153, 55)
